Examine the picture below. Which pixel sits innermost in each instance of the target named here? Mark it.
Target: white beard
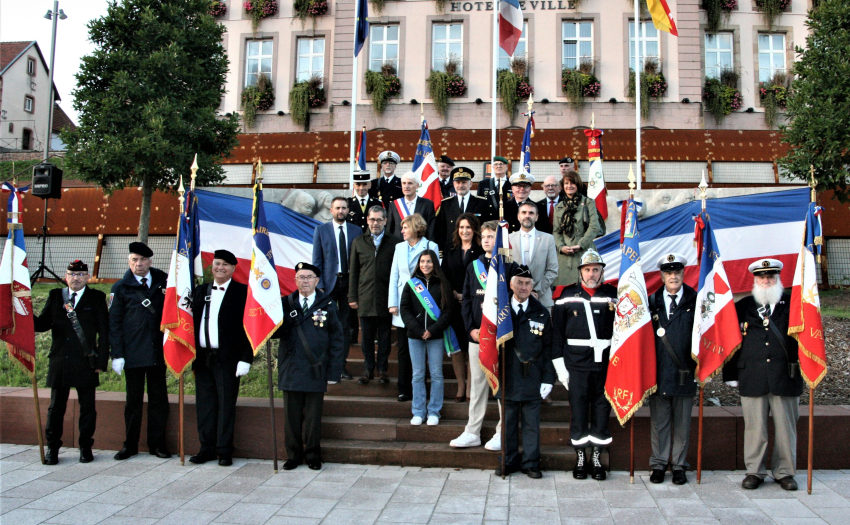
(770, 295)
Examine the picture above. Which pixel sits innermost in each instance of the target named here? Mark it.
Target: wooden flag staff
(702, 187)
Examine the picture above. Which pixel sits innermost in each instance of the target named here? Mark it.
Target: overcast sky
(24, 20)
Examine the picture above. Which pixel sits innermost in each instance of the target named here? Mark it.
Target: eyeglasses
(76, 275)
(305, 278)
(375, 220)
(550, 185)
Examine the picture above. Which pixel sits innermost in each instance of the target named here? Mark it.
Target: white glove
(566, 385)
(118, 365)
(242, 368)
(545, 390)
(733, 384)
(561, 370)
(332, 382)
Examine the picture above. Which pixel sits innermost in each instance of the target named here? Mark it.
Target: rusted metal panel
(836, 215)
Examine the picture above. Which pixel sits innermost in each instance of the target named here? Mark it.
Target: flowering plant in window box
(317, 8)
(257, 98)
(304, 96)
(580, 83)
(774, 96)
(513, 85)
(218, 8)
(311, 8)
(771, 9)
(382, 85)
(259, 9)
(445, 84)
(652, 85)
(721, 95)
(716, 11)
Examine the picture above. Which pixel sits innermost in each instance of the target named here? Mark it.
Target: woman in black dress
(466, 247)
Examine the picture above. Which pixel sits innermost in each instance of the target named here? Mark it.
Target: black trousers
(376, 328)
(217, 389)
(589, 409)
(527, 412)
(302, 413)
(56, 415)
(340, 295)
(405, 368)
(157, 406)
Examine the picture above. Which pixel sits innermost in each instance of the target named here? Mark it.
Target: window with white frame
(718, 54)
(29, 104)
(576, 44)
(447, 44)
(650, 44)
(311, 58)
(383, 42)
(521, 50)
(771, 55)
(258, 61)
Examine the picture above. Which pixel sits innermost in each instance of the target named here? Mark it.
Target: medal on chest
(319, 318)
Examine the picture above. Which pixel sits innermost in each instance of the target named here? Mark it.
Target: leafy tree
(818, 131)
(147, 99)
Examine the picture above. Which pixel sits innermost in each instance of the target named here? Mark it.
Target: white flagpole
(638, 70)
(353, 102)
(495, 69)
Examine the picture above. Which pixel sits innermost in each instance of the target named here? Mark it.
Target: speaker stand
(42, 267)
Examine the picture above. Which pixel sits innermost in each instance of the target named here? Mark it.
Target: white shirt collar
(222, 287)
(516, 304)
(413, 200)
(78, 292)
(531, 232)
(310, 298)
(146, 276)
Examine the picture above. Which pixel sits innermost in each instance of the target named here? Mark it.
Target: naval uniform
(358, 208)
(451, 209)
(386, 190)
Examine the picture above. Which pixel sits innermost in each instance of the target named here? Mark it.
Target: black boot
(52, 456)
(580, 470)
(598, 469)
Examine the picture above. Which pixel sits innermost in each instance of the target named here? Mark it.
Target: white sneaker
(495, 443)
(433, 420)
(466, 440)
(416, 421)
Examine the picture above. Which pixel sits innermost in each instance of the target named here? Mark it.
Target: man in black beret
(444, 169)
(135, 314)
(79, 323)
(223, 355)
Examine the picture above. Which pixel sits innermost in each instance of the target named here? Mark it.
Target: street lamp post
(55, 14)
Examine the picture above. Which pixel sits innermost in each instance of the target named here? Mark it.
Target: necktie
(673, 304)
(218, 288)
(74, 299)
(343, 256)
(304, 305)
(145, 282)
(520, 310)
(462, 204)
(363, 205)
(551, 212)
(526, 252)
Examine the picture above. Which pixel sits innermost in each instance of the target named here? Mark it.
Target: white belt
(598, 345)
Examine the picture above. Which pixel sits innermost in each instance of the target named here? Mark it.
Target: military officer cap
(522, 271)
(140, 248)
(566, 160)
(389, 155)
(522, 178)
(307, 266)
(225, 256)
(591, 256)
(672, 262)
(362, 176)
(78, 266)
(501, 159)
(445, 159)
(461, 173)
(766, 267)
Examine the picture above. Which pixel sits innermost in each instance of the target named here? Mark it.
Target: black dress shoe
(533, 472)
(364, 379)
(52, 456)
(657, 476)
(124, 453)
(751, 482)
(160, 452)
(86, 455)
(384, 378)
(402, 398)
(225, 461)
(508, 470)
(290, 464)
(202, 457)
(345, 373)
(679, 477)
(580, 470)
(314, 464)
(788, 483)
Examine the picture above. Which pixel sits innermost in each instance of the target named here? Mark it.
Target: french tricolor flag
(510, 25)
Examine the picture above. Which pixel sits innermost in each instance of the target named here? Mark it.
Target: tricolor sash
(480, 272)
(401, 207)
(430, 305)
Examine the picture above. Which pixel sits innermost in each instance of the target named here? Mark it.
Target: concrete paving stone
(416, 494)
(520, 481)
(180, 490)
(340, 475)
(541, 498)
(821, 498)
(248, 513)
(98, 484)
(151, 507)
(631, 516)
(586, 489)
(628, 499)
(212, 501)
(71, 473)
(127, 520)
(254, 470)
(364, 499)
(298, 478)
(86, 514)
(9, 504)
(155, 479)
(620, 481)
(586, 521)
(471, 487)
(425, 478)
(669, 490)
(456, 519)
(29, 455)
(830, 475)
(185, 516)
(128, 469)
(406, 513)
(840, 487)
(471, 475)
(522, 515)
(35, 489)
(307, 507)
(495, 522)
(351, 517)
(124, 495)
(740, 516)
(799, 521)
(496, 513)
(834, 516)
(60, 500)
(786, 508)
(236, 485)
(269, 495)
(460, 505)
(173, 465)
(377, 484)
(684, 508)
(498, 500)
(381, 473)
(584, 508)
(693, 521)
(18, 477)
(28, 516)
(732, 499)
(210, 476)
(9, 466)
(324, 490)
(291, 520)
(10, 449)
(499, 486)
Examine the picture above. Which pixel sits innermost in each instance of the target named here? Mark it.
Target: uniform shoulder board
(447, 198)
(480, 197)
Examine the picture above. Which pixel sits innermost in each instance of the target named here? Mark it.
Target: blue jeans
(435, 352)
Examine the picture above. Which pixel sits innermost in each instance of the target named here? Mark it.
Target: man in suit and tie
(546, 206)
(222, 356)
(536, 250)
(79, 323)
(409, 204)
(462, 202)
(331, 254)
(444, 168)
(490, 187)
(388, 187)
(521, 187)
(359, 204)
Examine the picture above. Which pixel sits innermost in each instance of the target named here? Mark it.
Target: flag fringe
(718, 370)
(21, 356)
(181, 372)
(265, 339)
(815, 382)
(491, 378)
(632, 411)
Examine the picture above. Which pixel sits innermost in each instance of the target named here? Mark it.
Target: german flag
(661, 17)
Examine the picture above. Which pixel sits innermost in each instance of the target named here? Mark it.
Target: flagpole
(353, 103)
(811, 451)
(493, 118)
(37, 415)
(702, 187)
(637, 94)
(180, 435)
(632, 426)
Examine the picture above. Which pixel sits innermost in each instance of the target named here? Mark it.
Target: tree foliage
(818, 132)
(148, 97)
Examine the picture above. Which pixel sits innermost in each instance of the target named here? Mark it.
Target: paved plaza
(146, 490)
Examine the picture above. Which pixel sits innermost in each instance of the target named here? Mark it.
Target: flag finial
(194, 169)
(593, 121)
(631, 181)
(260, 171)
(702, 187)
(181, 190)
(812, 183)
(421, 112)
(529, 103)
